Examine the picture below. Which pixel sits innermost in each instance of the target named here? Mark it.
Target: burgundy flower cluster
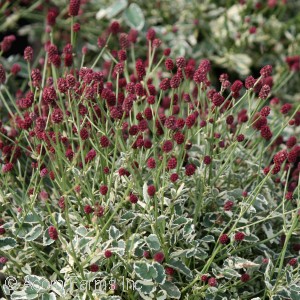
(146, 110)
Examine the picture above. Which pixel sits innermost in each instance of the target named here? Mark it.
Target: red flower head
(212, 281)
(167, 146)
(151, 190)
(2, 74)
(114, 27)
(159, 257)
(224, 239)
(239, 236)
(108, 253)
(74, 7)
(245, 277)
(103, 190)
(228, 205)
(266, 71)
(53, 233)
(94, 268)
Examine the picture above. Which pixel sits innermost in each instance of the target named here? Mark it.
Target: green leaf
(210, 219)
(161, 275)
(295, 288)
(145, 270)
(179, 222)
(215, 192)
(58, 287)
(31, 293)
(267, 228)
(7, 243)
(153, 242)
(260, 202)
(251, 238)
(22, 231)
(134, 16)
(81, 230)
(295, 292)
(34, 233)
(180, 267)
(119, 247)
(236, 262)
(135, 246)
(283, 293)
(171, 289)
(208, 239)
(188, 229)
(236, 193)
(184, 253)
(145, 286)
(22, 295)
(46, 238)
(128, 216)
(116, 8)
(59, 219)
(201, 254)
(83, 242)
(230, 273)
(37, 283)
(50, 296)
(114, 233)
(31, 218)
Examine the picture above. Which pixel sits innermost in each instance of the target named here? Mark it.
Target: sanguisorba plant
(138, 171)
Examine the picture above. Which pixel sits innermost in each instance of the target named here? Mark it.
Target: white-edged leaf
(114, 233)
(144, 270)
(134, 16)
(50, 296)
(34, 233)
(145, 287)
(208, 239)
(116, 8)
(46, 238)
(161, 275)
(171, 289)
(180, 267)
(38, 283)
(153, 242)
(57, 286)
(7, 243)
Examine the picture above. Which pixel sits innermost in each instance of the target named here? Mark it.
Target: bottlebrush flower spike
(224, 239)
(74, 7)
(159, 257)
(94, 268)
(7, 167)
(291, 142)
(264, 92)
(249, 82)
(245, 277)
(280, 157)
(151, 190)
(293, 62)
(228, 205)
(2, 74)
(212, 282)
(108, 253)
(15, 69)
(6, 43)
(266, 71)
(53, 233)
(239, 236)
(114, 27)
